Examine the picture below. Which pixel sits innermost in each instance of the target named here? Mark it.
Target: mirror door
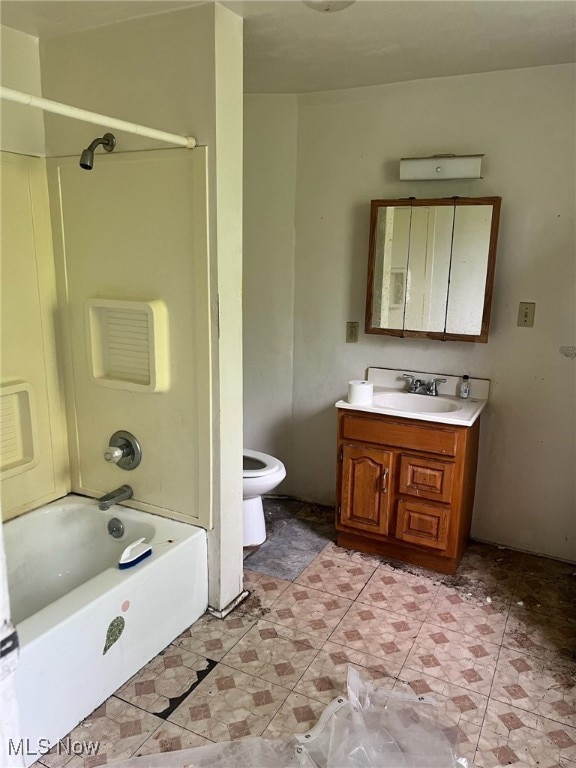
(431, 267)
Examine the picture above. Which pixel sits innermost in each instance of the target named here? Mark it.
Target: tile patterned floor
(494, 645)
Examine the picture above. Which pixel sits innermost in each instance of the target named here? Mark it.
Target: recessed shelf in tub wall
(18, 429)
(128, 343)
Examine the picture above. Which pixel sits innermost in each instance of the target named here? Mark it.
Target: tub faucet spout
(114, 497)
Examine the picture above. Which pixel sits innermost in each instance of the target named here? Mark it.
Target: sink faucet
(433, 386)
(114, 497)
(422, 387)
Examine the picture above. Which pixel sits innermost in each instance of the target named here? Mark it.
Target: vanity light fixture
(441, 167)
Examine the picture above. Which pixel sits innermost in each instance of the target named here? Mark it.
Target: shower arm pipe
(93, 117)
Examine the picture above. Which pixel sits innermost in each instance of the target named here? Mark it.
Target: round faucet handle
(113, 455)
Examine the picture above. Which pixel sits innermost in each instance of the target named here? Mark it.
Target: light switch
(526, 311)
(352, 332)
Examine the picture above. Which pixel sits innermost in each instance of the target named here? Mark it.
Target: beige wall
(35, 465)
(33, 445)
(21, 129)
(268, 275)
(157, 70)
(349, 144)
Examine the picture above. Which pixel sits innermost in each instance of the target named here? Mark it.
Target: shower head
(108, 141)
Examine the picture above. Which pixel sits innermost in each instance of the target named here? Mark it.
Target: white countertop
(387, 381)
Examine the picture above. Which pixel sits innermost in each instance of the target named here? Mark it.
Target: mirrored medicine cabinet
(431, 267)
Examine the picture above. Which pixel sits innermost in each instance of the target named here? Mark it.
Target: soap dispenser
(464, 387)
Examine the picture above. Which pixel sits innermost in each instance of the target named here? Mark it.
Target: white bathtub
(66, 589)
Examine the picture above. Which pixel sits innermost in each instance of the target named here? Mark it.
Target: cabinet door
(426, 478)
(365, 501)
(421, 523)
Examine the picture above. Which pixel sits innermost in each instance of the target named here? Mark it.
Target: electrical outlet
(526, 311)
(352, 332)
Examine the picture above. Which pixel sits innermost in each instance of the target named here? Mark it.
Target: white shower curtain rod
(93, 117)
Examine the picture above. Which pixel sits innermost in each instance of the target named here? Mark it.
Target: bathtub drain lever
(116, 528)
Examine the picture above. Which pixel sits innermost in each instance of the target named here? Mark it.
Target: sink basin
(411, 403)
(391, 398)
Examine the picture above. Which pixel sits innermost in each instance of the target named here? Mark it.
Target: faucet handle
(123, 450)
(413, 382)
(410, 379)
(113, 455)
(432, 386)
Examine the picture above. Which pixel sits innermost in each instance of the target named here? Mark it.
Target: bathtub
(85, 626)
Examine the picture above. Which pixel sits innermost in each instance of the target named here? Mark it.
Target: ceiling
(289, 48)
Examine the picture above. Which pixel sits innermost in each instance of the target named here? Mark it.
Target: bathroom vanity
(407, 471)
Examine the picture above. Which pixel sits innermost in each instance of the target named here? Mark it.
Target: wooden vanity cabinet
(405, 488)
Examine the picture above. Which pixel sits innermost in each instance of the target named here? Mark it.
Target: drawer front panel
(426, 478)
(424, 524)
(398, 435)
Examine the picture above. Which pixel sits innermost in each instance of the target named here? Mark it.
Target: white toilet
(262, 473)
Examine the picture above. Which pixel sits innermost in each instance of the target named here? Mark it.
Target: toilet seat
(271, 464)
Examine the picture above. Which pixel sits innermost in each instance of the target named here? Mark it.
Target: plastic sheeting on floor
(370, 728)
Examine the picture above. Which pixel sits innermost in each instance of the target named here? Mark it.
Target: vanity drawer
(421, 523)
(426, 478)
(394, 433)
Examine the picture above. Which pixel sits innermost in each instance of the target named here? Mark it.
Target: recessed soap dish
(18, 429)
(128, 344)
